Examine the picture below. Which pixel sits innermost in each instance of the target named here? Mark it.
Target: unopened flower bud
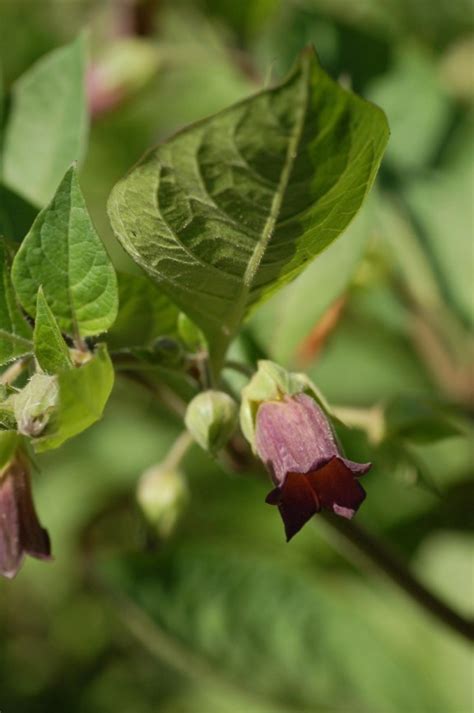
(295, 440)
(20, 530)
(162, 494)
(211, 418)
(35, 403)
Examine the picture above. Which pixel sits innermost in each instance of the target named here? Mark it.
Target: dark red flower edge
(332, 485)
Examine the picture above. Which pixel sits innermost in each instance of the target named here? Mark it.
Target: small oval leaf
(63, 254)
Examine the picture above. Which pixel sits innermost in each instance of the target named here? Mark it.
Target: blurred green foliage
(223, 616)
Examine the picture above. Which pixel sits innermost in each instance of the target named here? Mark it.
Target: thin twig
(238, 366)
(177, 451)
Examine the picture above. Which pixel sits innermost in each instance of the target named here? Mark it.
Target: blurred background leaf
(47, 123)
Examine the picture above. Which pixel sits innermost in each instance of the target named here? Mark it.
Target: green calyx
(272, 382)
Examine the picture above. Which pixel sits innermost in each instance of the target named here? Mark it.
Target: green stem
(238, 366)
(177, 451)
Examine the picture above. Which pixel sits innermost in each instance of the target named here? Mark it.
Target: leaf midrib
(267, 233)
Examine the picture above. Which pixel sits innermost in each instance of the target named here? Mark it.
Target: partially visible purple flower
(296, 442)
(20, 530)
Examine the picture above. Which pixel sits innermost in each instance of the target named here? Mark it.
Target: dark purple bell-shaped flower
(296, 442)
(20, 530)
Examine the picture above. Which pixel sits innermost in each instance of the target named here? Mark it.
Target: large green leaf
(63, 254)
(288, 317)
(83, 394)
(15, 333)
(47, 127)
(231, 209)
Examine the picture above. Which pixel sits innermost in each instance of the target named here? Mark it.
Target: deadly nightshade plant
(219, 217)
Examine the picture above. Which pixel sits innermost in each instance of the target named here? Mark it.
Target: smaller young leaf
(83, 394)
(51, 351)
(63, 254)
(15, 333)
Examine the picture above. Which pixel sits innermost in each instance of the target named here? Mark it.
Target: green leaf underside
(63, 254)
(15, 333)
(229, 210)
(51, 351)
(48, 121)
(83, 394)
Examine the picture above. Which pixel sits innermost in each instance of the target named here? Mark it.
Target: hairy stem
(392, 566)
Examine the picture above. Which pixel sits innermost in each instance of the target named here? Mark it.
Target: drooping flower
(20, 530)
(295, 440)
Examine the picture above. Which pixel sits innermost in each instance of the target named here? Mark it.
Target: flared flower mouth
(296, 442)
(20, 530)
